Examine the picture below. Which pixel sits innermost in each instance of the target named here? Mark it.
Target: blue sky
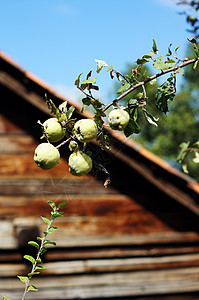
(58, 39)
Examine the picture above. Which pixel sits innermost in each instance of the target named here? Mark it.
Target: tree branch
(142, 83)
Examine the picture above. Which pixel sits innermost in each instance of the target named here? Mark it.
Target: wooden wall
(128, 241)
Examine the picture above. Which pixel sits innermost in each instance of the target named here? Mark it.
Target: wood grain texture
(8, 127)
(17, 143)
(100, 286)
(22, 166)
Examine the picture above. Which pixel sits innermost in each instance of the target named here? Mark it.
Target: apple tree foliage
(133, 87)
(180, 124)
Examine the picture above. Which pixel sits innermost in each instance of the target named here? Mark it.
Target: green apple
(85, 130)
(118, 119)
(53, 130)
(79, 163)
(46, 156)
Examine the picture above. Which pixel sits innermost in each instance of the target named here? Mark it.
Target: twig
(64, 142)
(123, 76)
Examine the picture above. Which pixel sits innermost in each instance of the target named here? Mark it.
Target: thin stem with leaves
(37, 262)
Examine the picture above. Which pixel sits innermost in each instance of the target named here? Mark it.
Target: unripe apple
(46, 156)
(53, 130)
(118, 119)
(79, 163)
(85, 130)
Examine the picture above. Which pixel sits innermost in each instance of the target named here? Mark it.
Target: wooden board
(104, 265)
(109, 286)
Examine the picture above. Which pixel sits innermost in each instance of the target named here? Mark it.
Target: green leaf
(161, 65)
(124, 87)
(171, 61)
(63, 204)
(110, 68)
(49, 243)
(70, 112)
(86, 101)
(33, 273)
(23, 279)
(47, 221)
(89, 74)
(141, 61)
(96, 104)
(77, 81)
(169, 50)
(104, 141)
(51, 106)
(133, 103)
(56, 215)
(30, 258)
(164, 94)
(149, 55)
(32, 288)
(183, 152)
(193, 41)
(5, 298)
(40, 267)
(88, 81)
(131, 128)
(195, 64)
(151, 119)
(180, 71)
(52, 204)
(155, 48)
(43, 250)
(46, 232)
(100, 65)
(63, 107)
(176, 49)
(53, 228)
(34, 244)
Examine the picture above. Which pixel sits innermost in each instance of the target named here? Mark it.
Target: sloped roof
(174, 183)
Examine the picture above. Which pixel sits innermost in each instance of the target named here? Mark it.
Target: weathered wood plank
(77, 226)
(57, 254)
(83, 236)
(22, 166)
(8, 127)
(125, 239)
(82, 204)
(106, 265)
(102, 252)
(16, 144)
(50, 185)
(125, 284)
(79, 204)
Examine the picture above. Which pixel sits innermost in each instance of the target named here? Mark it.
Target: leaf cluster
(165, 93)
(63, 113)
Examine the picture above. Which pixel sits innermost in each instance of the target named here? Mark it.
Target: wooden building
(137, 239)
